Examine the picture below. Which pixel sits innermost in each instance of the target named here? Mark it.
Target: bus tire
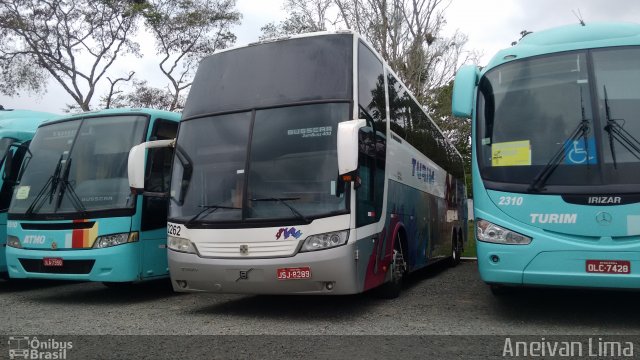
(398, 268)
(4, 276)
(456, 252)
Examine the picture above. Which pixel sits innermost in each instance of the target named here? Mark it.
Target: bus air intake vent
(69, 267)
(58, 226)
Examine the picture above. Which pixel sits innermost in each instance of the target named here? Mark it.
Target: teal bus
(556, 158)
(73, 215)
(16, 131)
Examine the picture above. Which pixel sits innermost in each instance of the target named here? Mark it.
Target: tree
(457, 130)
(142, 96)
(305, 16)
(185, 31)
(72, 41)
(407, 33)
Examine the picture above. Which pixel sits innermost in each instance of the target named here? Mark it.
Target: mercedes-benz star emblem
(244, 249)
(54, 245)
(604, 218)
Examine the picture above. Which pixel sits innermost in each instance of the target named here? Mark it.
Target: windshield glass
(272, 74)
(618, 72)
(257, 165)
(85, 157)
(529, 109)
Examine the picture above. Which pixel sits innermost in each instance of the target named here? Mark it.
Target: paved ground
(436, 301)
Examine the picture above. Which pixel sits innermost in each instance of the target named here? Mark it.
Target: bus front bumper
(119, 263)
(333, 271)
(519, 265)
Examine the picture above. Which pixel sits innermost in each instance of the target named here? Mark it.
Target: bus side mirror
(348, 145)
(8, 165)
(137, 162)
(464, 88)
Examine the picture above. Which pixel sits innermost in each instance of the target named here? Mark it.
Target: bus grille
(68, 267)
(253, 249)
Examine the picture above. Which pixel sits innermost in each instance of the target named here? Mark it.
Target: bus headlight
(180, 244)
(110, 240)
(325, 241)
(14, 242)
(489, 232)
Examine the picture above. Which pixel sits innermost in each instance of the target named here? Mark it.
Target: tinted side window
(397, 111)
(372, 139)
(158, 171)
(158, 177)
(371, 92)
(8, 183)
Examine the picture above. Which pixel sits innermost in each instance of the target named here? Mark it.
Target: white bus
(289, 177)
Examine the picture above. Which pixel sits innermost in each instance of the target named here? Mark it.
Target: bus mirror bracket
(348, 145)
(137, 161)
(464, 88)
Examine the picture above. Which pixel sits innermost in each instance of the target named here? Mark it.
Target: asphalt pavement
(436, 301)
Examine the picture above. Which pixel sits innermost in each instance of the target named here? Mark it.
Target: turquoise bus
(556, 158)
(16, 131)
(74, 216)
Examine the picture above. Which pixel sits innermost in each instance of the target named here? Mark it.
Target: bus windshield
(531, 110)
(82, 159)
(271, 164)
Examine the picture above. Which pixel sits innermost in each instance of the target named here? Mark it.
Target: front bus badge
(244, 249)
(604, 218)
(54, 245)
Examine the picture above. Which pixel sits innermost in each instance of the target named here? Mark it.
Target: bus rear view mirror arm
(348, 145)
(137, 161)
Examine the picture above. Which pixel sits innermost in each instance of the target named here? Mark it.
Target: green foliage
(458, 130)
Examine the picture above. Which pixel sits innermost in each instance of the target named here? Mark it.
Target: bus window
(158, 177)
(372, 104)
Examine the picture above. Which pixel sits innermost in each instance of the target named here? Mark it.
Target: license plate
(609, 266)
(52, 261)
(294, 273)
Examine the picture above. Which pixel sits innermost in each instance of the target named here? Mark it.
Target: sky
(490, 25)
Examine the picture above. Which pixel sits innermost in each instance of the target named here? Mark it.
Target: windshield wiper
(37, 202)
(66, 185)
(284, 202)
(581, 131)
(208, 209)
(617, 132)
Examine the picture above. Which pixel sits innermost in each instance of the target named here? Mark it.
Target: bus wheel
(456, 252)
(398, 268)
(118, 285)
(4, 276)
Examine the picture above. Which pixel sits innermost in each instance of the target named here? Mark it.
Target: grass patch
(470, 246)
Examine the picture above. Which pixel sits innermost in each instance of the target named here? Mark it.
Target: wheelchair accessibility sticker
(576, 153)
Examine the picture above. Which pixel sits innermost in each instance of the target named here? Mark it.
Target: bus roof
(21, 124)
(168, 115)
(569, 37)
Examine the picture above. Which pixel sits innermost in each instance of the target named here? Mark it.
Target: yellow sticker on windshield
(513, 153)
(22, 192)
